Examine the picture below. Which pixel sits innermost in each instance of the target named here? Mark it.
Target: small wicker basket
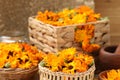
(46, 74)
(17, 74)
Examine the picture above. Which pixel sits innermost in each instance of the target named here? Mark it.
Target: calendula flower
(67, 16)
(93, 17)
(70, 67)
(19, 55)
(80, 35)
(2, 62)
(84, 9)
(67, 61)
(80, 18)
(14, 63)
(69, 54)
(88, 47)
(112, 75)
(84, 35)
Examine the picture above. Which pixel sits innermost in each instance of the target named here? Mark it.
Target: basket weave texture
(46, 74)
(49, 38)
(17, 74)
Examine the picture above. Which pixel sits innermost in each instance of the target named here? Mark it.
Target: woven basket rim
(17, 74)
(73, 25)
(17, 70)
(102, 73)
(46, 70)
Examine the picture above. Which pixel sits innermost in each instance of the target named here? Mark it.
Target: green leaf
(91, 63)
(104, 18)
(7, 65)
(42, 63)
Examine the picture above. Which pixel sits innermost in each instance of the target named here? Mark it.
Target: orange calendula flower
(84, 9)
(67, 16)
(80, 35)
(88, 47)
(67, 61)
(84, 35)
(112, 75)
(69, 54)
(19, 55)
(93, 17)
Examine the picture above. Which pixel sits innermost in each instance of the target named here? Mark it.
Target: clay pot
(108, 57)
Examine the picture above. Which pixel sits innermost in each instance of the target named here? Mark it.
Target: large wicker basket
(46, 74)
(49, 38)
(17, 74)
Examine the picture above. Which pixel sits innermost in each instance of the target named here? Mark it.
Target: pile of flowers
(67, 61)
(112, 75)
(82, 14)
(19, 55)
(84, 35)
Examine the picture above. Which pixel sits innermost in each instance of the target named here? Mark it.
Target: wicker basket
(49, 38)
(46, 74)
(17, 74)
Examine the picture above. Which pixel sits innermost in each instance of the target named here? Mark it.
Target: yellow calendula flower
(88, 47)
(19, 55)
(14, 63)
(68, 53)
(67, 16)
(25, 65)
(80, 18)
(2, 62)
(67, 61)
(111, 75)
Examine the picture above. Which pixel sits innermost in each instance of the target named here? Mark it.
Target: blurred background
(14, 14)
(111, 9)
